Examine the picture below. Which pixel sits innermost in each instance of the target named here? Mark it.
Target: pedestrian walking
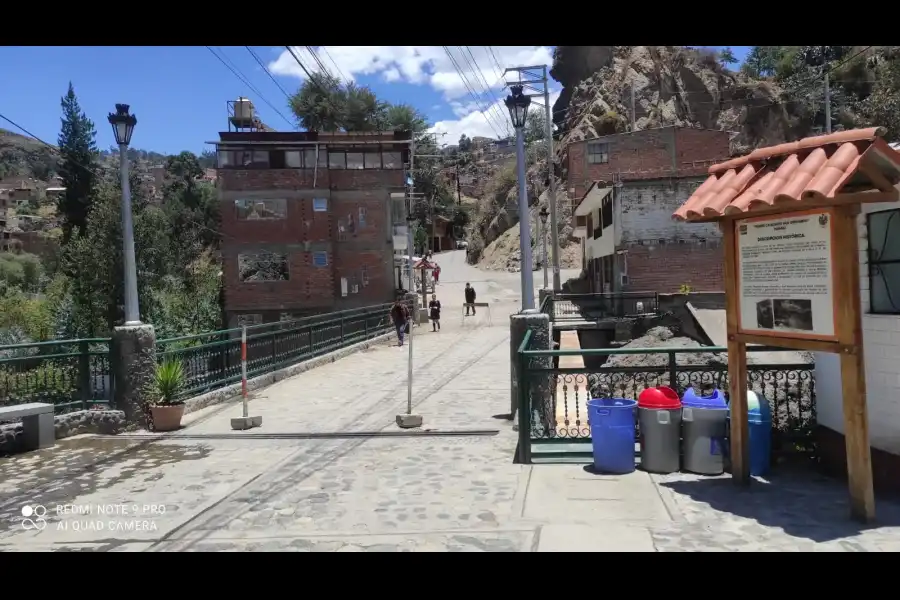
(434, 308)
(437, 273)
(470, 299)
(400, 317)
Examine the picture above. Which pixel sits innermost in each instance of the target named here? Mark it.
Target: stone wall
(106, 422)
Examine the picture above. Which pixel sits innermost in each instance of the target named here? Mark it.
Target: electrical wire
(477, 69)
(486, 113)
(328, 54)
(235, 72)
(269, 73)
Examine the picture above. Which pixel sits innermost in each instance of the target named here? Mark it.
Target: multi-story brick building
(624, 188)
(307, 220)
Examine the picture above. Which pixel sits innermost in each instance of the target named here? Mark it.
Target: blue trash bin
(759, 429)
(612, 434)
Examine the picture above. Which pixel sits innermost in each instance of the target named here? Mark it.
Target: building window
(320, 259)
(262, 266)
(320, 204)
(392, 160)
(606, 212)
(251, 210)
(598, 153)
(356, 160)
(337, 159)
(293, 159)
(364, 275)
(362, 216)
(344, 287)
(373, 160)
(884, 261)
(226, 159)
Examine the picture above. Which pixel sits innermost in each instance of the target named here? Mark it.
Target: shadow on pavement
(76, 467)
(803, 505)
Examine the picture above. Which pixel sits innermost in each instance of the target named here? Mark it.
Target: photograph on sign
(785, 274)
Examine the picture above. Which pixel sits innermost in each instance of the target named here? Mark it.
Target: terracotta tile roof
(812, 168)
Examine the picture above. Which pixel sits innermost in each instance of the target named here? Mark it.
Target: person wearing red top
(437, 273)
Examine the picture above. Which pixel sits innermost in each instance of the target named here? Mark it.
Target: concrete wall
(663, 254)
(881, 338)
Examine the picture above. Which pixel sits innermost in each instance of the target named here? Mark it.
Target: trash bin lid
(758, 409)
(715, 401)
(659, 397)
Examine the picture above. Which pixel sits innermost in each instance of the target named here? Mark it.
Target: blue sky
(179, 93)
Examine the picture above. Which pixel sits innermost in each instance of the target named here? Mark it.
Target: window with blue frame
(320, 259)
(320, 204)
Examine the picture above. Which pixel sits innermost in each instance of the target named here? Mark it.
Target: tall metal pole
(544, 252)
(524, 225)
(632, 106)
(132, 311)
(412, 289)
(554, 226)
(827, 104)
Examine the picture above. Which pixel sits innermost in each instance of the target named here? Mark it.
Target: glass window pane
(320, 259)
(293, 159)
(262, 266)
(252, 209)
(373, 160)
(337, 160)
(225, 159)
(309, 158)
(884, 282)
(320, 204)
(323, 157)
(355, 160)
(392, 160)
(260, 158)
(884, 235)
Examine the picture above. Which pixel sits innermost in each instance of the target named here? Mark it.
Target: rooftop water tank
(243, 109)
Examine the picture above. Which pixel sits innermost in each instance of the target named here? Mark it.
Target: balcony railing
(599, 306)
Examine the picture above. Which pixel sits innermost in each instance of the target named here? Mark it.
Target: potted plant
(166, 409)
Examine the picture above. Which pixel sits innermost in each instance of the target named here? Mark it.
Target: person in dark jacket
(434, 310)
(470, 299)
(400, 317)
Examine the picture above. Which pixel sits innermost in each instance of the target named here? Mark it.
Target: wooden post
(848, 321)
(737, 363)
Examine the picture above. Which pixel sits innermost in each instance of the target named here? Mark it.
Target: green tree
(465, 144)
(319, 103)
(882, 106)
(362, 110)
(403, 117)
(726, 56)
(78, 154)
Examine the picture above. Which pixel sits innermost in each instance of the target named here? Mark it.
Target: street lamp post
(517, 104)
(543, 215)
(123, 124)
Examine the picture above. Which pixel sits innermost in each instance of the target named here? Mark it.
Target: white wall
(605, 244)
(881, 339)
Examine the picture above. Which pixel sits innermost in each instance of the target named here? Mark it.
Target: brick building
(307, 221)
(625, 188)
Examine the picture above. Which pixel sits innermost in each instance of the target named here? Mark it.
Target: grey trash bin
(704, 427)
(659, 415)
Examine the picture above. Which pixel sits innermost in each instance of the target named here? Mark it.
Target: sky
(179, 93)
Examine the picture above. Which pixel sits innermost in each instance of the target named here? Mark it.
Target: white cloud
(481, 68)
(475, 123)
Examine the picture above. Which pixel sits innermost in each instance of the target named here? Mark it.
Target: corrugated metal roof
(814, 167)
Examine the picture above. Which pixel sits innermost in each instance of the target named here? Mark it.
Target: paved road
(195, 492)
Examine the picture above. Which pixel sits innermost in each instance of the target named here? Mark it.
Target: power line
(486, 113)
(328, 54)
(477, 68)
(235, 70)
(269, 73)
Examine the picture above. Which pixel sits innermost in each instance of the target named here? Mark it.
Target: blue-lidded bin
(612, 434)
(759, 430)
(704, 425)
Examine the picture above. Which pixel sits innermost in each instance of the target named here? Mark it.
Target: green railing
(70, 374)
(552, 400)
(213, 360)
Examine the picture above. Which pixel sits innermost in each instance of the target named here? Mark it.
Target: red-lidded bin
(659, 414)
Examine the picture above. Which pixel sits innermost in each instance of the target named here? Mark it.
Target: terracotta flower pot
(167, 417)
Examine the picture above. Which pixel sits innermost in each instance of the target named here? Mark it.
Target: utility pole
(409, 420)
(532, 80)
(827, 91)
(458, 188)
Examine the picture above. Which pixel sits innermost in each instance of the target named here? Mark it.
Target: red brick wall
(665, 268)
(648, 154)
(305, 231)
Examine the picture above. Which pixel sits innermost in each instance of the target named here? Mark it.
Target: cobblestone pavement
(338, 493)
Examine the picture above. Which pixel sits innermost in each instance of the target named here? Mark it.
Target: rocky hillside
(677, 85)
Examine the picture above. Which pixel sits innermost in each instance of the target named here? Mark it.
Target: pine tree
(78, 154)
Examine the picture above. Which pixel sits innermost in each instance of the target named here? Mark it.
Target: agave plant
(167, 383)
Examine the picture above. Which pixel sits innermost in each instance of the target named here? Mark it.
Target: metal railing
(78, 374)
(598, 306)
(553, 401)
(213, 360)
(70, 374)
